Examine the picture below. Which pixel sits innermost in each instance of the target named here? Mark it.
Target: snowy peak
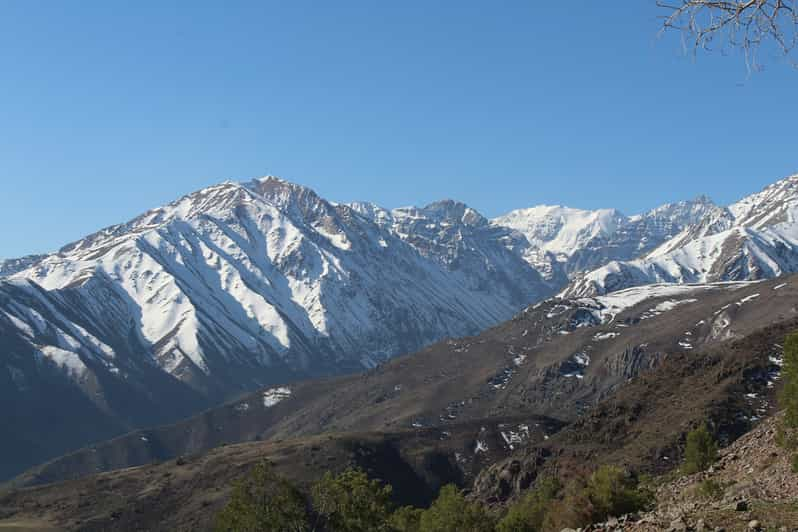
(289, 197)
(563, 242)
(755, 238)
(243, 285)
(561, 230)
(682, 213)
(239, 285)
(371, 211)
(444, 211)
(776, 203)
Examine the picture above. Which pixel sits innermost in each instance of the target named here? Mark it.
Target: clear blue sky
(110, 108)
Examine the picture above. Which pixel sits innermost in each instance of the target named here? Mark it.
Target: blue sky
(110, 108)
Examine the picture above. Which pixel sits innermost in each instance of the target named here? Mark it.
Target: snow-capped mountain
(239, 285)
(565, 241)
(480, 255)
(755, 238)
(231, 288)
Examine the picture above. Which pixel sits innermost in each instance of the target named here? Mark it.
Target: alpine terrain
(255, 286)
(755, 238)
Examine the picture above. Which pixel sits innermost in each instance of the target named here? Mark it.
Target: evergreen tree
(529, 514)
(613, 492)
(451, 512)
(701, 450)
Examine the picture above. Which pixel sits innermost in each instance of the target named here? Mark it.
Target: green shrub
(788, 398)
(350, 502)
(451, 512)
(701, 451)
(613, 492)
(794, 462)
(406, 519)
(529, 513)
(263, 502)
(710, 489)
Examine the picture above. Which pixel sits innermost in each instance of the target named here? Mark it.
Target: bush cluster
(351, 502)
(347, 502)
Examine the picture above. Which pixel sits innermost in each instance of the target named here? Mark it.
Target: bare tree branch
(745, 24)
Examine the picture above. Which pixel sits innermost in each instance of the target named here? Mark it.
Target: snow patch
(747, 299)
(68, 360)
(605, 336)
(274, 395)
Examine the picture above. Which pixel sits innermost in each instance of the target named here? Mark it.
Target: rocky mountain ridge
(754, 238)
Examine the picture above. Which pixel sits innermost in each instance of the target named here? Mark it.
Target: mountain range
(242, 286)
(754, 238)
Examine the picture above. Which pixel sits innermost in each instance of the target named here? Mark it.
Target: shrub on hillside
(614, 492)
(350, 502)
(263, 501)
(406, 519)
(609, 492)
(701, 450)
(710, 489)
(451, 512)
(529, 513)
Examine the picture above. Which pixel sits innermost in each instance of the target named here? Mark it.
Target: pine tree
(451, 512)
(701, 450)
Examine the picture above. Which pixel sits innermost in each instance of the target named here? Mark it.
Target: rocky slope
(642, 425)
(755, 238)
(751, 487)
